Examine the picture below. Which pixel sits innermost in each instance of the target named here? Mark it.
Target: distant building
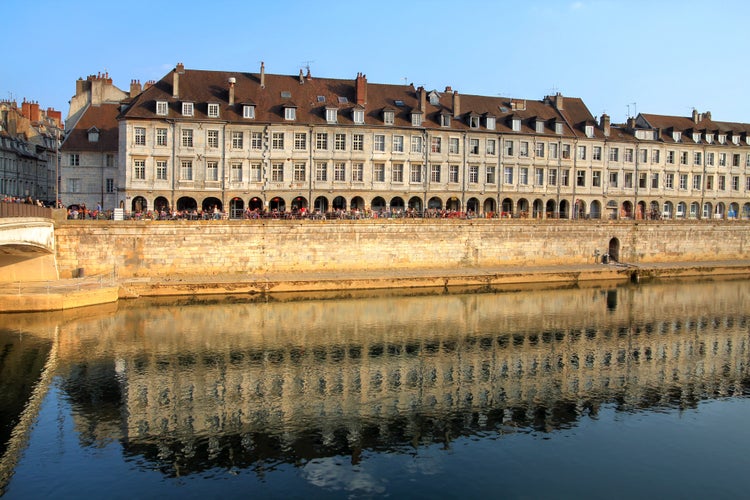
(242, 141)
(29, 142)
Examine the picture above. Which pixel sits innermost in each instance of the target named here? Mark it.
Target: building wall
(206, 248)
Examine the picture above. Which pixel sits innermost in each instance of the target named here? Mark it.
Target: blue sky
(619, 56)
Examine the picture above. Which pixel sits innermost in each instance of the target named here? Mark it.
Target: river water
(577, 392)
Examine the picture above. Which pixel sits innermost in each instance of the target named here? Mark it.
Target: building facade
(199, 140)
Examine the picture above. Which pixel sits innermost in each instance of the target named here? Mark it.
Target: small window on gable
(359, 116)
(445, 120)
(399, 103)
(388, 117)
(676, 136)
(490, 122)
(285, 94)
(589, 129)
(93, 134)
(290, 113)
(697, 137)
(434, 98)
(539, 127)
(473, 120)
(213, 110)
(709, 138)
(343, 100)
(332, 115)
(248, 111)
(722, 138)
(416, 119)
(736, 140)
(515, 124)
(321, 98)
(558, 128)
(161, 108)
(187, 109)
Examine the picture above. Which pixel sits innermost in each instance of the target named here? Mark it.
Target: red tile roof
(104, 118)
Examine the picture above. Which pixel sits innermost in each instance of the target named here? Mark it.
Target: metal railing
(24, 210)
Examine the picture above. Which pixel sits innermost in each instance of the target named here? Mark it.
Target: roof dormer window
(434, 98)
(490, 122)
(515, 124)
(539, 127)
(416, 118)
(696, 137)
(722, 138)
(358, 115)
(558, 128)
(187, 109)
(248, 111)
(290, 112)
(736, 140)
(676, 136)
(93, 134)
(213, 110)
(162, 108)
(473, 120)
(388, 116)
(589, 130)
(709, 138)
(332, 115)
(445, 120)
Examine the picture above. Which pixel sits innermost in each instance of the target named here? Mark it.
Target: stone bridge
(27, 249)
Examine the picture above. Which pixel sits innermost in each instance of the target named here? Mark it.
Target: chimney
(631, 123)
(309, 75)
(262, 75)
(696, 116)
(559, 101)
(422, 99)
(448, 89)
(149, 84)
(34, 110)
(55, 115)
(456, 104)
(26, 109)
(605, 124)
(707, 115)
(361, 89)
(232, 80)
(179, 70)
(135, 87)
(301, 77)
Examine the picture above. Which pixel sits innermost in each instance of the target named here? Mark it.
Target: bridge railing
(24, 210)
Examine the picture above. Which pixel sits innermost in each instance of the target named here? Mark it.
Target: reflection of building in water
(400, 370)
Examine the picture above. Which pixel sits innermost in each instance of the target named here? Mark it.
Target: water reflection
(189, 387)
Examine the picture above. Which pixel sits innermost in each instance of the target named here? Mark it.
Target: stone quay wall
(253, 248)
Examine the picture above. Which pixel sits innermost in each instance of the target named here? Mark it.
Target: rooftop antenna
(405, 80)
(306, 64)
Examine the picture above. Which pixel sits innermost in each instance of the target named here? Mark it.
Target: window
(539, 176)
(290, 113)
(339, 171)
(321, 141)
(109, 160)
(416, 144)
(735, 183)
(321, 171)
(256, 140)
(379, 143)
(566, 151)
(473, 146)
(436, 145)
(596, 178)
(581, 178)
(415, 173)
(248, 112)
(539, 127)
(491, 147)
(710, 159)
(643, 155)
(416, 119)
(490, 122)
(747, 159)
(388, 117)
(596, 153)
(683, 158)
(186, 170)
(683, 181)
(628, 155)
(139, 169)
(558, 128)
(358, 142)
(300, 172)
(359, 116)
(473, 121)
(613, 179)
(508, 148)
(212, 171)
(515, 124)
(236, 172)
(187, 109)
(655, 181)
(670, 157)
(277, 140)
(397, 172)
(490, 174)
(162, 108)
(398, 143)
(697, 182)
(552, 177)
(722, 159)
(508, 175)
(453, 146)
(378, 172)
(213, 110)
(614, 154)
(74, 160)
(358, 172)
(642, 180)
(709, 182)
(277, 172)
(565, 177)
(332, 115)
(237, 140)
(110, 185)
(722, 183)
(256, 172)
(139, 136)
(697, 158)
(453, 173)
(74, 185)
(300, 141)
(187, 138)
(473, 174)
(161, 170)
(161, 137)
(445, 120)
(523, 176)
(523, 150)
(589, 130)
(669, 181)
(736, 160)
(435, 172)
(553, 150)
(655, 156)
